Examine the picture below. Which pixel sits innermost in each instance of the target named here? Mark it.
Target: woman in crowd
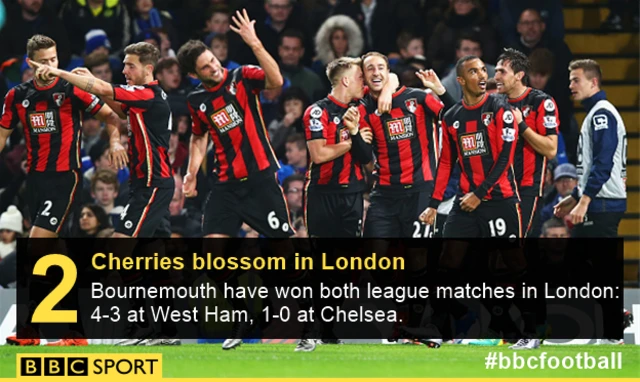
(94, 221)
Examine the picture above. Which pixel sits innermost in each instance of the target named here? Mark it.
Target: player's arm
(386, 95)
(197, 154)
(9, 118)
(245, 27)
(315, 121)
(543, 137)
(507, 145)
(448, 158)
(114, 105)
(431, 81)
(117, 153)
(91, 84)
(361, 141)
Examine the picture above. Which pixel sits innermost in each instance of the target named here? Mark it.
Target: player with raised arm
(537, 117)
(144, 104)
(51, 111)
(226, 105)
(479, 133)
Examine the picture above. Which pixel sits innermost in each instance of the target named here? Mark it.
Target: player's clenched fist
(367, 135)
(428, 216)
(189, 186)
(351, 120)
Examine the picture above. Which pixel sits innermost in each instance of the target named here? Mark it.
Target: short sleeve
(88, 102)
(255, 77)
(9, 114)
(196, 123)
(315, 121)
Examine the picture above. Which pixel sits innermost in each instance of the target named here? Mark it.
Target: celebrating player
(147, 211)
(597, 205)
(536, 114)
(405, 144)
(243, 182)
(51, 112)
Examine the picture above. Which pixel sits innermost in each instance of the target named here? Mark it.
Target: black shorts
(397, 216)
(146, 213)
(531, 208)
(598, 224)
(261, 204)
(333, 214)
(53, 198)
(492, 218)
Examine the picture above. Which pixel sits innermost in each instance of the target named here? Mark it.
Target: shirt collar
(590, 102)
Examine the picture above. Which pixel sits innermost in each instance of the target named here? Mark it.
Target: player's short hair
(298, 139)
(376, 54)
(188, 55)
(461, 62)
(542, 61)
(166, 63)
(405, 38)
(337, 68)
(106, 177)
(38, 42)
(518, 61)
(147, 53)
(590, 67)
(96, 58)
(552, 223)
(292, 33)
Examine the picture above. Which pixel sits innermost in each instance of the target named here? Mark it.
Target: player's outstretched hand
(428, 216)
(189, 186)
(118, 155)
(44, 73)
(469, 202)
(431, 81)
(84, 72)
(245, 27)
(367, 135)
(564, 206)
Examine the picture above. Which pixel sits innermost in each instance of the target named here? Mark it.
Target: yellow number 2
(44, 312)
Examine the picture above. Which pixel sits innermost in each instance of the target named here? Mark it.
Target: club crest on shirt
(411, 104)
(486, 118)
(232, 88)
(344, 135)
(58, 98)
(526, 110)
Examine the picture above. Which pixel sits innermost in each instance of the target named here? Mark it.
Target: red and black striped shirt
(323, 120)
(540, 112)
(51, 117)
(231, 112)
(482, 138)
(405, 140)
(150, 123)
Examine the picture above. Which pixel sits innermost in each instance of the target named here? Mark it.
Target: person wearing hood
(463, 16)
(10, 230)
(338, 36)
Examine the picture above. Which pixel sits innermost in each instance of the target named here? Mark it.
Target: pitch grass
(392, 361)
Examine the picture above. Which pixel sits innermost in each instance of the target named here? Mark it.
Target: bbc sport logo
(93, 366)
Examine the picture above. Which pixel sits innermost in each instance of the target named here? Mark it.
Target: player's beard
(209, 83)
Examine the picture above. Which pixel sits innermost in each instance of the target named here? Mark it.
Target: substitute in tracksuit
(600, 200)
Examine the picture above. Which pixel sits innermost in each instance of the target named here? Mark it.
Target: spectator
(178, 152)
(293, 187)
(508, 13)
(93, 221)
(300, 229)
(181, 220)
(99, 65)
(30, 19)
(166, 45)
(462, 17)
(151, 37)
(554, 228)
(99, 156)
(147, 17)
(531, 28)
(296, 157)
(338, 36)
(542, 62)
(565, 179)
(319, 11)
(217, 20)
(293, 103)
(91, 129)
(468, 45)
(410, 46)
(81, 16)
(10, 230)
(617, 10)
(377, 21)
(96, 41)
(219, 45)
(104, 190)
(167, 71)
(291, 51)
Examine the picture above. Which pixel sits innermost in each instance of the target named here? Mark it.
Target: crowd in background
(303, 36)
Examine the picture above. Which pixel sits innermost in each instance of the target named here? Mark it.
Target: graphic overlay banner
(315, 288)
